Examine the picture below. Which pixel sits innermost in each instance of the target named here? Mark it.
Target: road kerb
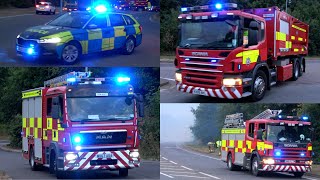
(6, 148)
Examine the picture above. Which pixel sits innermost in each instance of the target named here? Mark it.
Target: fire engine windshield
(220, 33)
(285, 133)
(100, 108)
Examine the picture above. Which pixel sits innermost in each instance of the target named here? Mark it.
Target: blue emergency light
(122, 79)
(77, 139)
(218, 6)
(305, 118)
(73, 79)
(101, 8)
(278, 153)
(30, 51)
(302, 154)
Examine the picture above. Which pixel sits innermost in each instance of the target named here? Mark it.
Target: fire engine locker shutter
(38, 127)
(25, 115)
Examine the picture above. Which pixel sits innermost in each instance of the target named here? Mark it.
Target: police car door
(120, 30)
(97, 32)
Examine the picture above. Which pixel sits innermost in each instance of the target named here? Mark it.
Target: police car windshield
(72, 20)
(285, 133)
(100, 108)
(221, 33)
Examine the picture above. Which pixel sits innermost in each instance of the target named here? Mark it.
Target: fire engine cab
(77, 123)
(225, 52)
(267, 142)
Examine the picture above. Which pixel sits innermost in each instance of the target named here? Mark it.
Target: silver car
(45, 7)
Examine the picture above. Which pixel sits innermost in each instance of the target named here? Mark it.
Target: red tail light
(140, 27)
(37, 5)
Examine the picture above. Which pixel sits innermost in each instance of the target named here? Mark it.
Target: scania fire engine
(77, 123)
(229, 53)
(270, 142)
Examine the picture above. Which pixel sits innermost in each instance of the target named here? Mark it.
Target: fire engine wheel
(54, 166)
(298, 174)
(301, 68)
(129, 46)
(230, 165)
(295, 72)
(34, 166)
(259, 86)
(255, 167)
(123, 172)
(71, 53)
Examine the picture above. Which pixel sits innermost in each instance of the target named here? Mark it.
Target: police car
(81, 32)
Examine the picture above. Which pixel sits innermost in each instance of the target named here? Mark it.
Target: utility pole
(286, 5)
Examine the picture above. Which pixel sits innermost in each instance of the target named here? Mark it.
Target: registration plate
(199, 92)
(290, 161)
(105, 155)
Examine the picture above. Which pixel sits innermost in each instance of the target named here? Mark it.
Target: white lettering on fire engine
(290, 145)
(199, 54)
(102, 94)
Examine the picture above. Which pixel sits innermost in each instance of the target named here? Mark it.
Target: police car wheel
(129, 46)
(70, 53)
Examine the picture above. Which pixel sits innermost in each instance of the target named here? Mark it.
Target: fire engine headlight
(178, 77)
(268, 161)
(134, 154)
(232, 82)
(308, 163)
(71, 156)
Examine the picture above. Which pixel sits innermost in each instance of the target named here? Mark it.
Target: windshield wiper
(84, 120)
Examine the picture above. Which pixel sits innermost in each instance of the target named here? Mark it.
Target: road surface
(179, 163)
(305, 89)
(145, 55)
(18, 168)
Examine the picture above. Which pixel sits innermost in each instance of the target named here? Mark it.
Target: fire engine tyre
(230, 165)
(71, 53)
(123, 172)
(54, 166)
(34, 166)
(255, 167)
(296, 71)
(298, 174)
(129, 46)
(301, 68)
(259, 86)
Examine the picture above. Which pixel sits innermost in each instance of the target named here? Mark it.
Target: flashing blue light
(123, 79)
(279, 116)
(187, 59)
(218, 6)
(278, 153)
(77, 139)
(305, 118)
(101, 8)
(213, 60)
(239, 66)
(184, 9)
(30, 51)
(71, 79)
(302, 154)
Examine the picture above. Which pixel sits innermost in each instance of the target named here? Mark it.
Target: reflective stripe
(84, 45)
(49, 123)
(296, 50)
(293, 37)
(248, 57)
(30, 94)
(94, 34)
(299, 28)
(119, 31)
(288, 44)
(300, 39)
(107, 44)
(281, 36)
(309, 148)
(233, 131)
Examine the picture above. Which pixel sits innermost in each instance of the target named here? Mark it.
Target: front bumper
(38, 50)
(223, 92)
(91, 161)
(286, 168)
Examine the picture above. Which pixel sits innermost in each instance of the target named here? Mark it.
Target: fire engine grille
(202, 79)
(26, 42)
(293, 153)
(103, 162)
(104, 138)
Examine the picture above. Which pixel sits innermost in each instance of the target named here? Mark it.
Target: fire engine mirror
(141, 109)
(128, 101)
(252, 37)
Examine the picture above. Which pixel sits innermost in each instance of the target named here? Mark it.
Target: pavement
(14, 21)
(16, 167)
(305, 89)
(177, 162)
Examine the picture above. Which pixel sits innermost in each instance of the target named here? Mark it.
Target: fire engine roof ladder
(66, 79)
(267, 114)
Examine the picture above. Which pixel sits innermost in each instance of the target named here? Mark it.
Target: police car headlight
(18, 36)
(51, 40)
(134, 154)
(71, 156)
(232, 82)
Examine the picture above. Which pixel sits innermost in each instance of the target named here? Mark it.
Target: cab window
(117, 20)
(129, 20)
(49, 106)
(97, 22)
(251, 130)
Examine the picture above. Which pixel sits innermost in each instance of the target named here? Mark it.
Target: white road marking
(173, 162)
(173, 169)
(166, 175)
(197, 153)
(3, 17)
(169, 79)
(190, 176)
(187, 168)
(304, 177)
(165, 166)
(164, 158)
(179, 172)
(209, 175)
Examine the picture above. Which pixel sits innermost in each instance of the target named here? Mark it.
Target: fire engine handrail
(267, 114)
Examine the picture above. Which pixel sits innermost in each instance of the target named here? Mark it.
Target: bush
(169, 30)
(22, 3)
(15, 129)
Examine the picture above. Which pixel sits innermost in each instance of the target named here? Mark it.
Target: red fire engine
(140, 5)
(77, 123)
(268, 142)
(229, 53)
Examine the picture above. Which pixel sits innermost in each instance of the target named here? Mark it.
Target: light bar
(212, 7)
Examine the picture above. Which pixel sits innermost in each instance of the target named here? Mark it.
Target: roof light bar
(212, 7)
